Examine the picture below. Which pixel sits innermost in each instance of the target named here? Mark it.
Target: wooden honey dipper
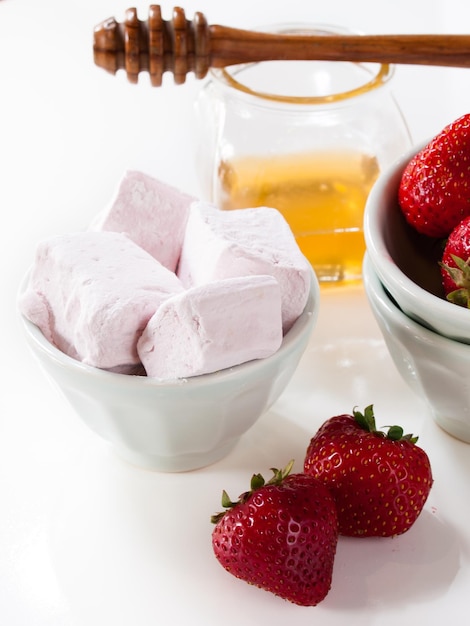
(181, 46)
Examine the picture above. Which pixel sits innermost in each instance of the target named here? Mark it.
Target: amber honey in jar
(308, 138)
(322, 196)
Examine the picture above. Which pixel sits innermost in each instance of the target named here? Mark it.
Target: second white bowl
(435, 367)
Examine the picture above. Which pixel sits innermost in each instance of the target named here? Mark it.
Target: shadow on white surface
(386, 573)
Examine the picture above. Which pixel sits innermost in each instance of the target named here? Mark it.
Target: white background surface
(86, 539)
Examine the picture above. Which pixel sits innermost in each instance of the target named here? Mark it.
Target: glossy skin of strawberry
(380, 484)
(455, 265)
(434, 192)
(280, 536)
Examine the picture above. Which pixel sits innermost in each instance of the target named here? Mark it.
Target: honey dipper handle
(181, 46)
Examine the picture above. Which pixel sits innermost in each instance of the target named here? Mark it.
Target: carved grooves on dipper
(154, 45)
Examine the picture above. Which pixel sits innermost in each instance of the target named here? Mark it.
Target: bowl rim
(387, 270)
(304, 324)
(380, 299)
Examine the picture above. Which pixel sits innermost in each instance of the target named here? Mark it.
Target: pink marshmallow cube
(153, 214)
(223, 244)
(212, 327)
(92, 294)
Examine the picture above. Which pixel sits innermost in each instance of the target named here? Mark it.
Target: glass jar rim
(226, 75)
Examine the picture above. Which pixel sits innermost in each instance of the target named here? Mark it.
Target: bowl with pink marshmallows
(417, 271)
(170, 325)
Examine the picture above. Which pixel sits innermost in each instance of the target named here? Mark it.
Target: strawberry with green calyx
(434, 191)
(380, 480)
(281, 536)
(455, 265)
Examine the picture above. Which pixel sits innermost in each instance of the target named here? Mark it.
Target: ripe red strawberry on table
(455, 267)
(281, 535)
(434, 192)
(380, 481)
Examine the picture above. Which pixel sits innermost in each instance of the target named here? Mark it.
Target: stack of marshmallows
(168, 286)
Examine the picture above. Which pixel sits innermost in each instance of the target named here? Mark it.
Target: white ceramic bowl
(435, 367)
(181, 425)
(406, 262)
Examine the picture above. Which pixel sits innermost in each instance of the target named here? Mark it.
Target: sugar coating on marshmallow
(92, 294)
(153, 214)
(223, 244)
(212, 327)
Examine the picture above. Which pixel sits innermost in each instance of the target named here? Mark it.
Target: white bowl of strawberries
(416, 222)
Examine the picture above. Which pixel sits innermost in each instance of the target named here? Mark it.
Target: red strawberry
(455, 266)
(434, 192)
(380, 481)
(280, 536)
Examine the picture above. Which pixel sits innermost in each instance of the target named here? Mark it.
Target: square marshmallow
(213, 326)
(92, 294)
(151, 213)
(244, 242)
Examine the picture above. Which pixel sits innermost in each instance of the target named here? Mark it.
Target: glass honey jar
(306, 137)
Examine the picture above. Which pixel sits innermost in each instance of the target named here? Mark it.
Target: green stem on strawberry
(460, 275)
(366, 421)
(257, 481)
